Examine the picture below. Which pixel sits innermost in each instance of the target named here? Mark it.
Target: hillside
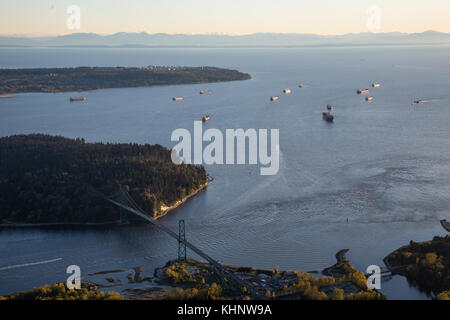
(45, 179)
(427, 263)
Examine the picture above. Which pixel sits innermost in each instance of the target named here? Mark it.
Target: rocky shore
(193, 279)
(166, 209)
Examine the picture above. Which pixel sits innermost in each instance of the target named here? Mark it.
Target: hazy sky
(49, 17)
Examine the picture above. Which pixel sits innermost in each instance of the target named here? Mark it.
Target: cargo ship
(177, 98)
(328, 117)
(205, 92)
(369, 98)
(287, 91)
(78, 99)
(274, 98)
(362, 91)
(376, 85)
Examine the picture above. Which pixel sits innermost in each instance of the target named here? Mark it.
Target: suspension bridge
(126, 203)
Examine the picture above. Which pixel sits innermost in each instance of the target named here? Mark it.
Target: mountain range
(143, 39)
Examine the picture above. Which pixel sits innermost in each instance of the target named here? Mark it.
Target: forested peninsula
(94, 78)
(425, 264)
(52, 179)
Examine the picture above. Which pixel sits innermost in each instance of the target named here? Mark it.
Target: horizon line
(216, 33)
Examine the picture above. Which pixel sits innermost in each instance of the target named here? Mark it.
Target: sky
(50, 17)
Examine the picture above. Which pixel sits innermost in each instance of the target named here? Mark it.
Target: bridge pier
(181, 241)
(123, 213)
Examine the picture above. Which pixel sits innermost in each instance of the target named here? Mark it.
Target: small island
(49, 179)
(94, 78)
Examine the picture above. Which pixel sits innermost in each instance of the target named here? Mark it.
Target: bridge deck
(217, 266)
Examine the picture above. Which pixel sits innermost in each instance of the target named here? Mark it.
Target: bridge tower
(181, 241)
(123, 213)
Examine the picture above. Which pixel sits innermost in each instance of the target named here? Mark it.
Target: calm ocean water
(383, 165)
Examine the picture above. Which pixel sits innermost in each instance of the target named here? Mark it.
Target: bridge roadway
(224, 273)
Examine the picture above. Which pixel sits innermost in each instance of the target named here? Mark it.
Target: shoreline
(13, 94)
(103, 224)
(182, 201)
(273, 284)
(85, 79)
(417, 259)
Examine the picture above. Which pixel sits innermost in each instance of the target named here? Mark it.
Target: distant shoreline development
(95, 78)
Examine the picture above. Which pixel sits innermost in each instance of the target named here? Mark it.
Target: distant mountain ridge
(123, 39)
